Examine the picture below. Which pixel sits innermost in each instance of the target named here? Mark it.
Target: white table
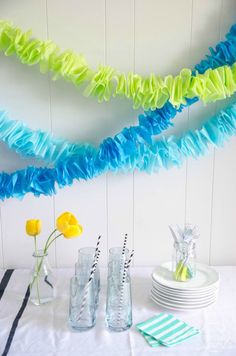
(43, 331)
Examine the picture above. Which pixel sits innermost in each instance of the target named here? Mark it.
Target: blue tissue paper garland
(131, 148)
(90, 163)
(43, 145)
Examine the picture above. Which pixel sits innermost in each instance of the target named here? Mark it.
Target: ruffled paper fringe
(128, 155)
(149, 93)
(224, 53)
(44, 146)
(37, 144)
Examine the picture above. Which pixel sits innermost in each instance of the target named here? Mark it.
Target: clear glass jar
(115, 253)
(119, 301)
(184, 261)
(42, 281)
(116, 260)
(83, 268)
(83, 305)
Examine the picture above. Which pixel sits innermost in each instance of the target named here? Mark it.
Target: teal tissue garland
(42, 145)
(116, 154)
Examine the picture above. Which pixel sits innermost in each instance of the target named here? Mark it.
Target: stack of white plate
(197, 293)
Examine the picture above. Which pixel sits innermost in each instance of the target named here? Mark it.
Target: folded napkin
(165, 330)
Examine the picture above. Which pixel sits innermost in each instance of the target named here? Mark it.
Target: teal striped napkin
(165, 330)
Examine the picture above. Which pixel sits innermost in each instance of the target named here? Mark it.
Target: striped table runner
(12, 312)
(165, 330)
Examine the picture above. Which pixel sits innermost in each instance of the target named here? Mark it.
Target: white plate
(184, 297)
(183, 293)
(181, 306)
(165, 298)
(206, 277)
(177, 307)
(182, 300)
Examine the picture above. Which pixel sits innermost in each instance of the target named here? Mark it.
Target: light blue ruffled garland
(43, 145)
(224, 53)
(132, 148)
(164, 153)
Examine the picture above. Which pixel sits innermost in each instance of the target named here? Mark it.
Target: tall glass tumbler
(82, 312)
(116, 253)
(116, 260)
(83, 268)
(119, 302)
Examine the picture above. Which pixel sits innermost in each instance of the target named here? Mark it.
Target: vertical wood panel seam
(133, 176)
(106, 179)
(1, 229)
(134, 35)
(133, 240)
(212, 201)
(51, 126)
(186, 164)
(105, 32)
(214, 155)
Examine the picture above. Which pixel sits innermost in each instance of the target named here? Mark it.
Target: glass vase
(83, 305)
(83, 268)
(117, 258)
(42, 280)
(184, 261)
(119, 300)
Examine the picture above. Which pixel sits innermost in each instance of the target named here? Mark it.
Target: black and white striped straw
(124, 244)
(97, 246)
(122, 260)
(86, 288)
(121, 301)
(128, 263)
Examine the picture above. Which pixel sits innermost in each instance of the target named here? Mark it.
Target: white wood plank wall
(144, 36)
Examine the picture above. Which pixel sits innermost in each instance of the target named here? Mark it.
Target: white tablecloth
(43, 331)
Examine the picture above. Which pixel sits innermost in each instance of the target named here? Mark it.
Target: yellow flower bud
(33, 227)
(68, 225)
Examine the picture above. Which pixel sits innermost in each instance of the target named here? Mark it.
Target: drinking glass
(83, 269)
(119, 299)
(82, 312)
(116, 260)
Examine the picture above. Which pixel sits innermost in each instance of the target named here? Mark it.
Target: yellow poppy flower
(33, 227)
(68, 225)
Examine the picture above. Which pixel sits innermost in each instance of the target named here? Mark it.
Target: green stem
(46, 245)
(37, 270)
(52, 242)
(38, 266)
(46, 249)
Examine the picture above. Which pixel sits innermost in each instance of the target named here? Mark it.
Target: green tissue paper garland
(147, 92)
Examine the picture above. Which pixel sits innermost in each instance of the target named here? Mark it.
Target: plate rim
(183, 287)
(184, 292)
(184, 301)
(179, 296)
(180, 308)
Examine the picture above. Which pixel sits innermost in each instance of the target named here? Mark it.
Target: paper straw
(129, 260)
(97, 249)
(124, 244)
(97, 246)
(123, 252)
(86, 288)
(126, 267)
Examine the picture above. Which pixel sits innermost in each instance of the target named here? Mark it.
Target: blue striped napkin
(165, 330)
